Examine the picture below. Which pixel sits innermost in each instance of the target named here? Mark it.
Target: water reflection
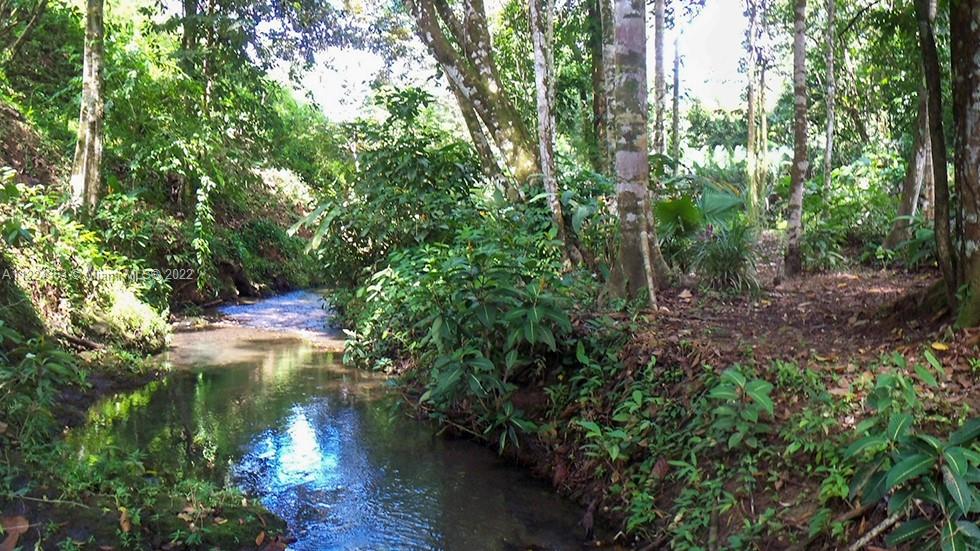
(320, 446)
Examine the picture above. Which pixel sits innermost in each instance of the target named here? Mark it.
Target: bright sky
(711, 47)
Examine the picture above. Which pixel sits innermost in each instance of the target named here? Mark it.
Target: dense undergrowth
(199, 194)
(466, 296)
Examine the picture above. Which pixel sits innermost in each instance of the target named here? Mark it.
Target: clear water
(326, 448)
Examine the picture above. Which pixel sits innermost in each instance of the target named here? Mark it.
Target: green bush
(477, 315)
(413, 185)
(78, 284)
(933, 481)
(725, 258)
(854, 215)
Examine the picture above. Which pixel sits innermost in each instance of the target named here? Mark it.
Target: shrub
(726, 258)
(413, 185)
(934, 481)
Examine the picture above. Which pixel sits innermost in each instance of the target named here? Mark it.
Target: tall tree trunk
(751, 147)
(675, 111)
(632, 162)
(598, 156)
(762, 178)
(609, 72)
(828, 152)
(86, 172)
(463, 49)
(659, 79)
(925, 14)
(542, 35)
(965, 54)
(793, 264)
(914, 177)
(484, 150)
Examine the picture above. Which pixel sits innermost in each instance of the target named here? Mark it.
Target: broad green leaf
(969, 529)
(861, 477)
(876, 489)
(909, 468)
(734, 377)
(967, 433)
(866, 443)
(958, 488)
(898, 426)
(909, 531)
(899, 501)
(956, 458)
(724, 392)
(759, 390)
(927, 377)
(580, 354)
(952, 539)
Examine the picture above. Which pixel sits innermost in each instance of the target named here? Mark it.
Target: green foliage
(483, 311)
(412, 183)
(32, 373)
(269, 255)
(726, 259)
(736, 419)
(78, 284)
(855, 213)
(717, 128)
(935, 481)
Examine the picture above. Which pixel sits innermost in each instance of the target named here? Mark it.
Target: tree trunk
(751, 147)
(828, 152)
(925, 14)
(914, 177)
(762, 178)
(675, 112)
(965, 54)
(542, 35)
(87, 167)
(488, 161)
(609, 71)
(638, 242)
(793, 264)
(599, 155)
(659, 79)
(463, 49)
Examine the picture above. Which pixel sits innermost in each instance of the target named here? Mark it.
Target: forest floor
(835, 327)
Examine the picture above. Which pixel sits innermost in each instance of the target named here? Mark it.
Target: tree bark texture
(793, 264)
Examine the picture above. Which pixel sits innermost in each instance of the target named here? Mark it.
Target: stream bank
(273, 414)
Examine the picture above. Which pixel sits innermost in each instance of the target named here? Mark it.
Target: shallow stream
(261, 401)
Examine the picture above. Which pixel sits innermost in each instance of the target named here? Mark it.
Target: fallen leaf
(124, 523)
(940, 346)
(219, 520)
(14, 527)
(3, 427)
(685, 295)
(260, 538)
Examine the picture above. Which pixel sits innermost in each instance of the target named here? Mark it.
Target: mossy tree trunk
(639, 253)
